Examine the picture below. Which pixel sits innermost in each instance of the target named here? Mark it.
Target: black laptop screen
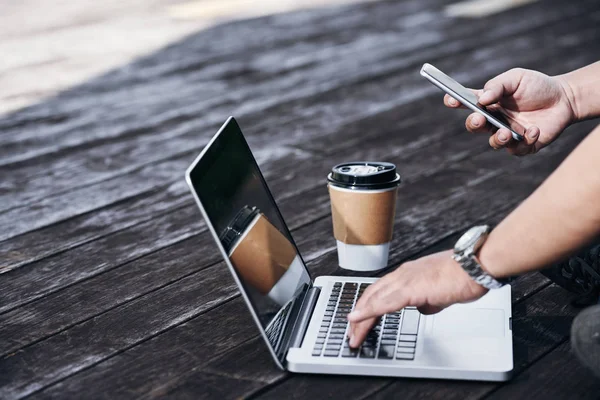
(251, 230)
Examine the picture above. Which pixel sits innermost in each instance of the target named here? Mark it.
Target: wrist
(572, 96)
(491, 260)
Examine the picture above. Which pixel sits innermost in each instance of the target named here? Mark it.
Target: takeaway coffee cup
(262, 256)
(363, 206)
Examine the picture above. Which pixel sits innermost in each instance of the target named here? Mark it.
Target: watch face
(470, 238)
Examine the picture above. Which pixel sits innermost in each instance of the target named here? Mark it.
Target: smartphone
(469, 99)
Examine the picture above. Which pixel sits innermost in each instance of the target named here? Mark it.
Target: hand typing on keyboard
(430, 283)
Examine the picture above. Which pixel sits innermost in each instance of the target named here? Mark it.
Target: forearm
(562, 215)
(582, 87)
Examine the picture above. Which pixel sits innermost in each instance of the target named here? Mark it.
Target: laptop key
(404, 356)
(331, 353)
(407, 344)
(410, 323)
(367, 352)
(408, 338)
(386, 352)
(406, 350)
(349, 352)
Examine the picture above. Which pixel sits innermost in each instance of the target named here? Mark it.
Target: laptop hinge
(306, 311)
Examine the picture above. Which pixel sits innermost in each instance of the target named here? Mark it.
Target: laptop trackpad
(469, 322)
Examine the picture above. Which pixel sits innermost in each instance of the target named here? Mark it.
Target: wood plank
(558, 375)
(37, 217)
(49, 315)
(23, 373)
(304, 171)
(223, 80)
(23, 323)
(73, 23)
(15, 252)
(70, 352)
(109, 251)
(122, 307)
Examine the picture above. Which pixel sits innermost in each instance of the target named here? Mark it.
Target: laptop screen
(250, 230)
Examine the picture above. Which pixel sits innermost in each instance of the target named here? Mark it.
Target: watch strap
(472, 267)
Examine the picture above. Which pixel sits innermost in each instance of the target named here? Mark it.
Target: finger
(378, 304)
(501, 138)
(477, 123)
(451, 102)
(368, 304)
(373, 289)
(528, 144)
(505, 84)
(364, 298)
(360, 331)
(429, 309)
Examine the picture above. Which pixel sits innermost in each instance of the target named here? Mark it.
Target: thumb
(505, 84)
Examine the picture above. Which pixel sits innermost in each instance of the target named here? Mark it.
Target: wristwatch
(465, 251)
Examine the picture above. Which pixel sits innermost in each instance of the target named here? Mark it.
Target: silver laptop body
(303, 322)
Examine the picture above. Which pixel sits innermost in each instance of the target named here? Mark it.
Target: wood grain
(75, 356)
(113, 287)
(320, 172)
(408, 225)
(558, 375)
(138, 144)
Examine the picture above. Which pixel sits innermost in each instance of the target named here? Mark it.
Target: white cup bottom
(286, 286)
(357, 257)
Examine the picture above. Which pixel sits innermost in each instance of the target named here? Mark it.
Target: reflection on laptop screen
(251, 230)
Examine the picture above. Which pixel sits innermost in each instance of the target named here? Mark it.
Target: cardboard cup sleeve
(262, 255)
(363, 217)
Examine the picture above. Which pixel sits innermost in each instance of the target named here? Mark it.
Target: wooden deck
(111, 285)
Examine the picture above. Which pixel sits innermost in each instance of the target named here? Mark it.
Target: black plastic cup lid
(237, 226)
(364, 174)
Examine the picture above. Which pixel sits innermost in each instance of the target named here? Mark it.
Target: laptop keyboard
(394, 337)
(274, 330)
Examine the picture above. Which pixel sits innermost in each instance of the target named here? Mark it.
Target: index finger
(378, 303)
(357, 331)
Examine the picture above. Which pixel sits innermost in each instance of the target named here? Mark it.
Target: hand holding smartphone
(469, 99)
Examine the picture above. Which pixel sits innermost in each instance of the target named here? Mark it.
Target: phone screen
(470, 97)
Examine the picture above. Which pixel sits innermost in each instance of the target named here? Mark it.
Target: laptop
(303, 320)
